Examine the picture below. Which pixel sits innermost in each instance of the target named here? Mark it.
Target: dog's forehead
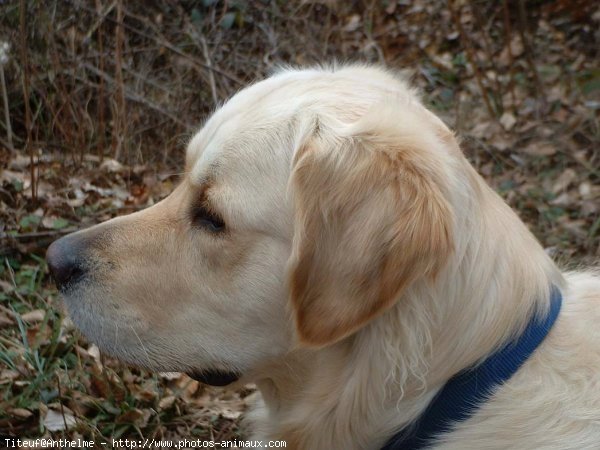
(264, 107)
(244, 154)
(242, 150)
(245, 149)
(261, 101)
(235, 132)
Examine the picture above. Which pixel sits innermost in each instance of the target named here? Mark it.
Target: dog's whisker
(150, 365)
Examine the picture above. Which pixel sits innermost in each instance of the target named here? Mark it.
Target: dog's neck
(384, 376)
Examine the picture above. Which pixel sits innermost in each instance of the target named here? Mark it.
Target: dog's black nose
(65, 261)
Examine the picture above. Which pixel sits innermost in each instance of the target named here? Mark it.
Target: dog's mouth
(214, 377)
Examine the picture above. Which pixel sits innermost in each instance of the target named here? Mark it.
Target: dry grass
(99, 98)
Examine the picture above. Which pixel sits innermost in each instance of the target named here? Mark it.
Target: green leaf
(29, 221)
(60, 223)
(196, 17)
(506, 186)
(554, 212)
(47, 395)
(228, 20)
(17, 185)
(460, 60)
(591, 86)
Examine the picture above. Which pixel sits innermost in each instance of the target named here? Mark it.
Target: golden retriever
(330, 242)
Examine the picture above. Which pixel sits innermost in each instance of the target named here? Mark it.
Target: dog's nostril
(64, 263)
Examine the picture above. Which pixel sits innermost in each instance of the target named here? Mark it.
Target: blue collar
(464, 393)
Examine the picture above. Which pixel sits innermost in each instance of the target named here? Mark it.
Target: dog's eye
(206, 219)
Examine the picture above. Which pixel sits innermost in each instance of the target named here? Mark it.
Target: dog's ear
(371, 218)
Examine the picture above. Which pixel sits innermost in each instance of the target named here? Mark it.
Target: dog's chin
(90, 322)
(214, 377)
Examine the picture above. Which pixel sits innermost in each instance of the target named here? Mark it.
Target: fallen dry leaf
(170, 375)
(112, 165)
(564, 180)
(20, 412)
(131, 416)
(508, 121)
(516, 50)
(5, 320)
(230, 414)
(58, 421)
(94, 352)
(166, 402)
(8, 375)
(37, 315)
(537, 148)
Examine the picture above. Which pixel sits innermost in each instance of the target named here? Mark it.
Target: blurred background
(100, 97)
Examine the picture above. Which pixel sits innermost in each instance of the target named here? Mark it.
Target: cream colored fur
(364, 264)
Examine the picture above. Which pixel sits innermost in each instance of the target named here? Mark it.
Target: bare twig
(166, 44)
(101, 100)
(132, 95)
(101, 17)
(200, 41)
(64, 116)
(490, 59)
(28, 124)
(159, 39)
(38, 234)
(9, 137)
(471, 58)
(119, 117)
(211, 75)
(523, 31)
(52, 110)
(62, 408)
(511, 59)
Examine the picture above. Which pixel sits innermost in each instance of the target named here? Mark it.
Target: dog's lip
(77, 277)
(214, 377)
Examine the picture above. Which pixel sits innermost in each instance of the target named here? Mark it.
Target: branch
(132, 95)
(472, 60)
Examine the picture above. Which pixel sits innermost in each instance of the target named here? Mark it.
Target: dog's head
(311, 201)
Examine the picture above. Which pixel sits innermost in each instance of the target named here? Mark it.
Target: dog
(330, 242)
